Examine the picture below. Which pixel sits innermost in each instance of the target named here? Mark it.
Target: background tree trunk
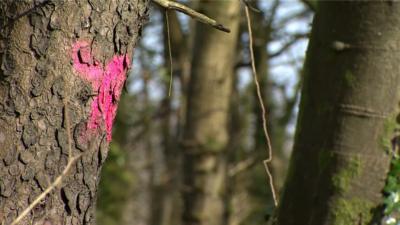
(347, 115)
(206, 129)
(58, 60)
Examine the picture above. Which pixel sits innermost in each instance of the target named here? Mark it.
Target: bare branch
(299, 15)
(192, 13)
(56, 182)
(263, 110)
(274, 9)
(243, 166)
(288, 44)
(253, 8)
(169, 53)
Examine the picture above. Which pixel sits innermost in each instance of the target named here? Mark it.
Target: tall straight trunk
(349, 102)
(63, 64)
(236, 193)
(206, 132)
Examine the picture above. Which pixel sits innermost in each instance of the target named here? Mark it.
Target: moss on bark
(338, 163)
(346, 174)
(352, 211)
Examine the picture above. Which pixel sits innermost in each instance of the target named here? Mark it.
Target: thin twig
(56, 182)
(272, 15)
(254, 9)
(288, 44)
(242, 166)
(168, 4)
(170, 54)
(261, 102)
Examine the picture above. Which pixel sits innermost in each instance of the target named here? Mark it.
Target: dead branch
(261, 102)
(55, 183)
(169, 54)
(172, 5)
(243, 166)
(288, 44)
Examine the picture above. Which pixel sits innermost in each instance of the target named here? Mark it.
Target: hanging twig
(248, 4)
(168, 4)
(170, 54)
(261, 102)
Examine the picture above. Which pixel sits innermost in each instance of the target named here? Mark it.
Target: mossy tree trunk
(206, 130)
(63, 64)
(349, 102)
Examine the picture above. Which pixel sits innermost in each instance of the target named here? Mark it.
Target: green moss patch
(342, 179)
(350, 79)
(352, 211)
(389, 127)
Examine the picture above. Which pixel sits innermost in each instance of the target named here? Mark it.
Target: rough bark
(49, 50)
(206, 131)
(346, 122)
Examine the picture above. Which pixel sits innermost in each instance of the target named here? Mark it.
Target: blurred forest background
(143, 179)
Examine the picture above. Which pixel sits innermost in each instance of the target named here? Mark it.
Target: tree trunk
(347, 115)
(63, 64)
(206, 131)
(236, 192)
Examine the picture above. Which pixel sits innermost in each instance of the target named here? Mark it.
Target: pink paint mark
(107, 81)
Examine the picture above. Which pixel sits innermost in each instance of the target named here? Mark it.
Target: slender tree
(206, 131)
(346, 123)
(63, 64)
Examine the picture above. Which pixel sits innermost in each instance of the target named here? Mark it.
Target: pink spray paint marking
(107, 81)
